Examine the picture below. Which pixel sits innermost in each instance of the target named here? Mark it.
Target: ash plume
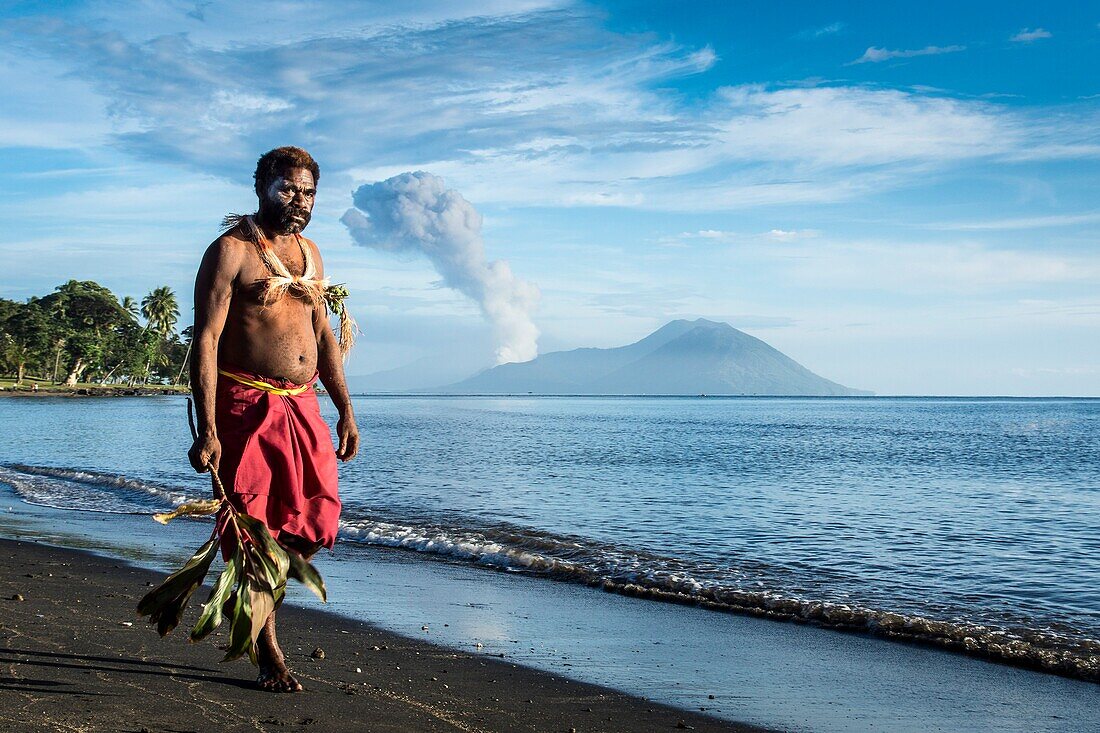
(415, 213)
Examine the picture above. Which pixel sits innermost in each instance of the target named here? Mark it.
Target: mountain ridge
(680, 358)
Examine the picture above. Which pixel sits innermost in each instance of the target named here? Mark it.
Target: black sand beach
(75, 657)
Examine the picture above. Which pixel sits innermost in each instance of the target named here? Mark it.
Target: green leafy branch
(248, 590)
(334, 298)
(334, 301)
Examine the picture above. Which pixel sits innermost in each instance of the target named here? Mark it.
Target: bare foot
(274, 675)
(277, 679)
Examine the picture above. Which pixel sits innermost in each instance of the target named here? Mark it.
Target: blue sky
(904, 198)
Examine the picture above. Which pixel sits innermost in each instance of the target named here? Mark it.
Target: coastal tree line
(82, 332)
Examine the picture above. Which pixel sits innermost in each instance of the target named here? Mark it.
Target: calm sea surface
(968, 512)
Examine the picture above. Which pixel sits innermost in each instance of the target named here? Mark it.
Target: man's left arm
(330, 367)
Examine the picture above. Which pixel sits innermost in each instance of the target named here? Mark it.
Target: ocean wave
(644, 575)
(85, 490)
(611, 568)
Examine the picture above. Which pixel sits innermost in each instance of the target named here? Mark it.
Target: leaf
(262, 569)
(252, 584)
(261, 536)
(175, 582)
(211, 617)
(304, 572)
(240, 630)
(165, 604)
(263, 603)
(204, 507)
(170, 614)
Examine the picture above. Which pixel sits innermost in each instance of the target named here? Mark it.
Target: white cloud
(750, 146)
(455, 90)
(219, 25)
(846, 126)
(174, 200)
(826, 30)
(790, 235)
(1027, 35)
(721, 236)
(44, 107)
(1030, 222)
(546, 107)
(927, 268)
(602, 198)
(683, 239)
(875, 55)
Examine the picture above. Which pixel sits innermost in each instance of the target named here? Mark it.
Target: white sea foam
(667, 579)
(614, 569)
(72, 488)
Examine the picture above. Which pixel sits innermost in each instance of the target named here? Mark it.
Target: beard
(283, 218)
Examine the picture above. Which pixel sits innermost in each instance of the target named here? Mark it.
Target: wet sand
(74, 656)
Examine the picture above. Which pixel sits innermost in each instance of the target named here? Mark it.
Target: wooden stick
(219, 488)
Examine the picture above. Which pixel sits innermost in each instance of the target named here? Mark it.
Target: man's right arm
(213, 290)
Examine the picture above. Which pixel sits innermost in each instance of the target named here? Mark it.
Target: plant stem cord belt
(265, 386)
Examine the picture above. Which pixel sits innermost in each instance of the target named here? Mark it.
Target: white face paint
(289, 201)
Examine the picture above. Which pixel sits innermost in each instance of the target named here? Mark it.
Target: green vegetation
(249, 589)
(251, 586)
(82, 334)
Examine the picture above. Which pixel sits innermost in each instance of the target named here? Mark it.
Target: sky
(903, 197)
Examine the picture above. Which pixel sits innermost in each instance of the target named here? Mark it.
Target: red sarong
(278, 463)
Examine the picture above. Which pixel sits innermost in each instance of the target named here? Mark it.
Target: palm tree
(189, 334)
(130, 306)
(161, 310)
(161, 314)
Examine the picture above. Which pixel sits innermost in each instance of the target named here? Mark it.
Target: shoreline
(93, 391)
(100, 467)
(767, 673)
(75, 654)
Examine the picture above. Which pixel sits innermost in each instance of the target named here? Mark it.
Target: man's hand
(348, 433)
(204, 453)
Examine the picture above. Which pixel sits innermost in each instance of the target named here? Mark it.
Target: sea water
(971, 524)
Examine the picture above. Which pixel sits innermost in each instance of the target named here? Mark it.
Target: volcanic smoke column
(413, 212)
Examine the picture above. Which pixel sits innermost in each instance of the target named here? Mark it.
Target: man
(261, 338)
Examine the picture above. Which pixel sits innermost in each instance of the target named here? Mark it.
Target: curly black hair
(278, 161)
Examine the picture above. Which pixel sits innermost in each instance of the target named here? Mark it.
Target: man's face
(287, 203)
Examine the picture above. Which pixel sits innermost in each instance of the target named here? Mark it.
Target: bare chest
(253, 282)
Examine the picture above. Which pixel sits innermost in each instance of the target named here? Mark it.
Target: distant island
(680, 358)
